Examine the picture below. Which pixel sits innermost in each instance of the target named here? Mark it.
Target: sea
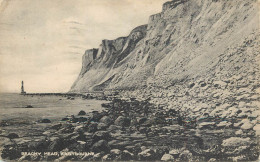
(13, 105)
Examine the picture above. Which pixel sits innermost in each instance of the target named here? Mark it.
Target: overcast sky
(42, 41)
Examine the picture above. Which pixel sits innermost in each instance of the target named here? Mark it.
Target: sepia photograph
(130, 80)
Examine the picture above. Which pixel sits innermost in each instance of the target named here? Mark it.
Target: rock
(29, 106)
(224, 124)
(101, 146)
(113, 128)
(11, 152)
(102, 126)
(55, 145)
(65, 119)
(146, 155)
(82, 113)
(175, 152)
(115, 152)
(125, 156)
(123, 121)
(56, 126)
(79, 128)
(92, 127)
(167, 157)
(45, 121)
(107, 157)
(106, 120)
(236, 141)
(185, 155)
(101, 135)
(246, 124)
(13, 135)
(141, 120)
(206, 125)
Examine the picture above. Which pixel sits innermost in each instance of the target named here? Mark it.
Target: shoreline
(133, 130)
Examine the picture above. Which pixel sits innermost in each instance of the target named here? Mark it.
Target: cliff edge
(188, 40)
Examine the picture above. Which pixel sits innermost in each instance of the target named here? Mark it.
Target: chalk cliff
(189, 40)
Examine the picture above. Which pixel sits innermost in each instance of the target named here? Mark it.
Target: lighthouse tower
(22, 89)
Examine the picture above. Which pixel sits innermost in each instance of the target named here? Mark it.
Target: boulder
(246, 124)
(115, 152)
(167, 157)
(175, 152)
(82, 113)
(146, 155)
(123, 121)
(45, 121)
(92, 127)
(10, 152)
(102, 126)
(106, 120)
(13, 135)
(186, 155)
(55, 145)
(100, 146)
(236, 141)
(125, 156)
(141, 120)
(101, 135)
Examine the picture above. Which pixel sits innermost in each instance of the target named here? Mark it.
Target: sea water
(13, 105)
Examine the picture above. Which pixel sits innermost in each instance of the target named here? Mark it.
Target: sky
(42, 41)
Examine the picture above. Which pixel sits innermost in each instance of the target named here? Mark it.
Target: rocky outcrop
(185, 41)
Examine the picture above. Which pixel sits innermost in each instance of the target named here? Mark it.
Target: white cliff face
(188, 40)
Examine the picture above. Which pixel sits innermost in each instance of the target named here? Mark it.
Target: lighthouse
(22, 89)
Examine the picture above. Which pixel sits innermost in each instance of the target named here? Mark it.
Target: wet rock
(167, 157)
(100, 146)
(45, 121)
(82, 113)
(123, 121)
(13, 135)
